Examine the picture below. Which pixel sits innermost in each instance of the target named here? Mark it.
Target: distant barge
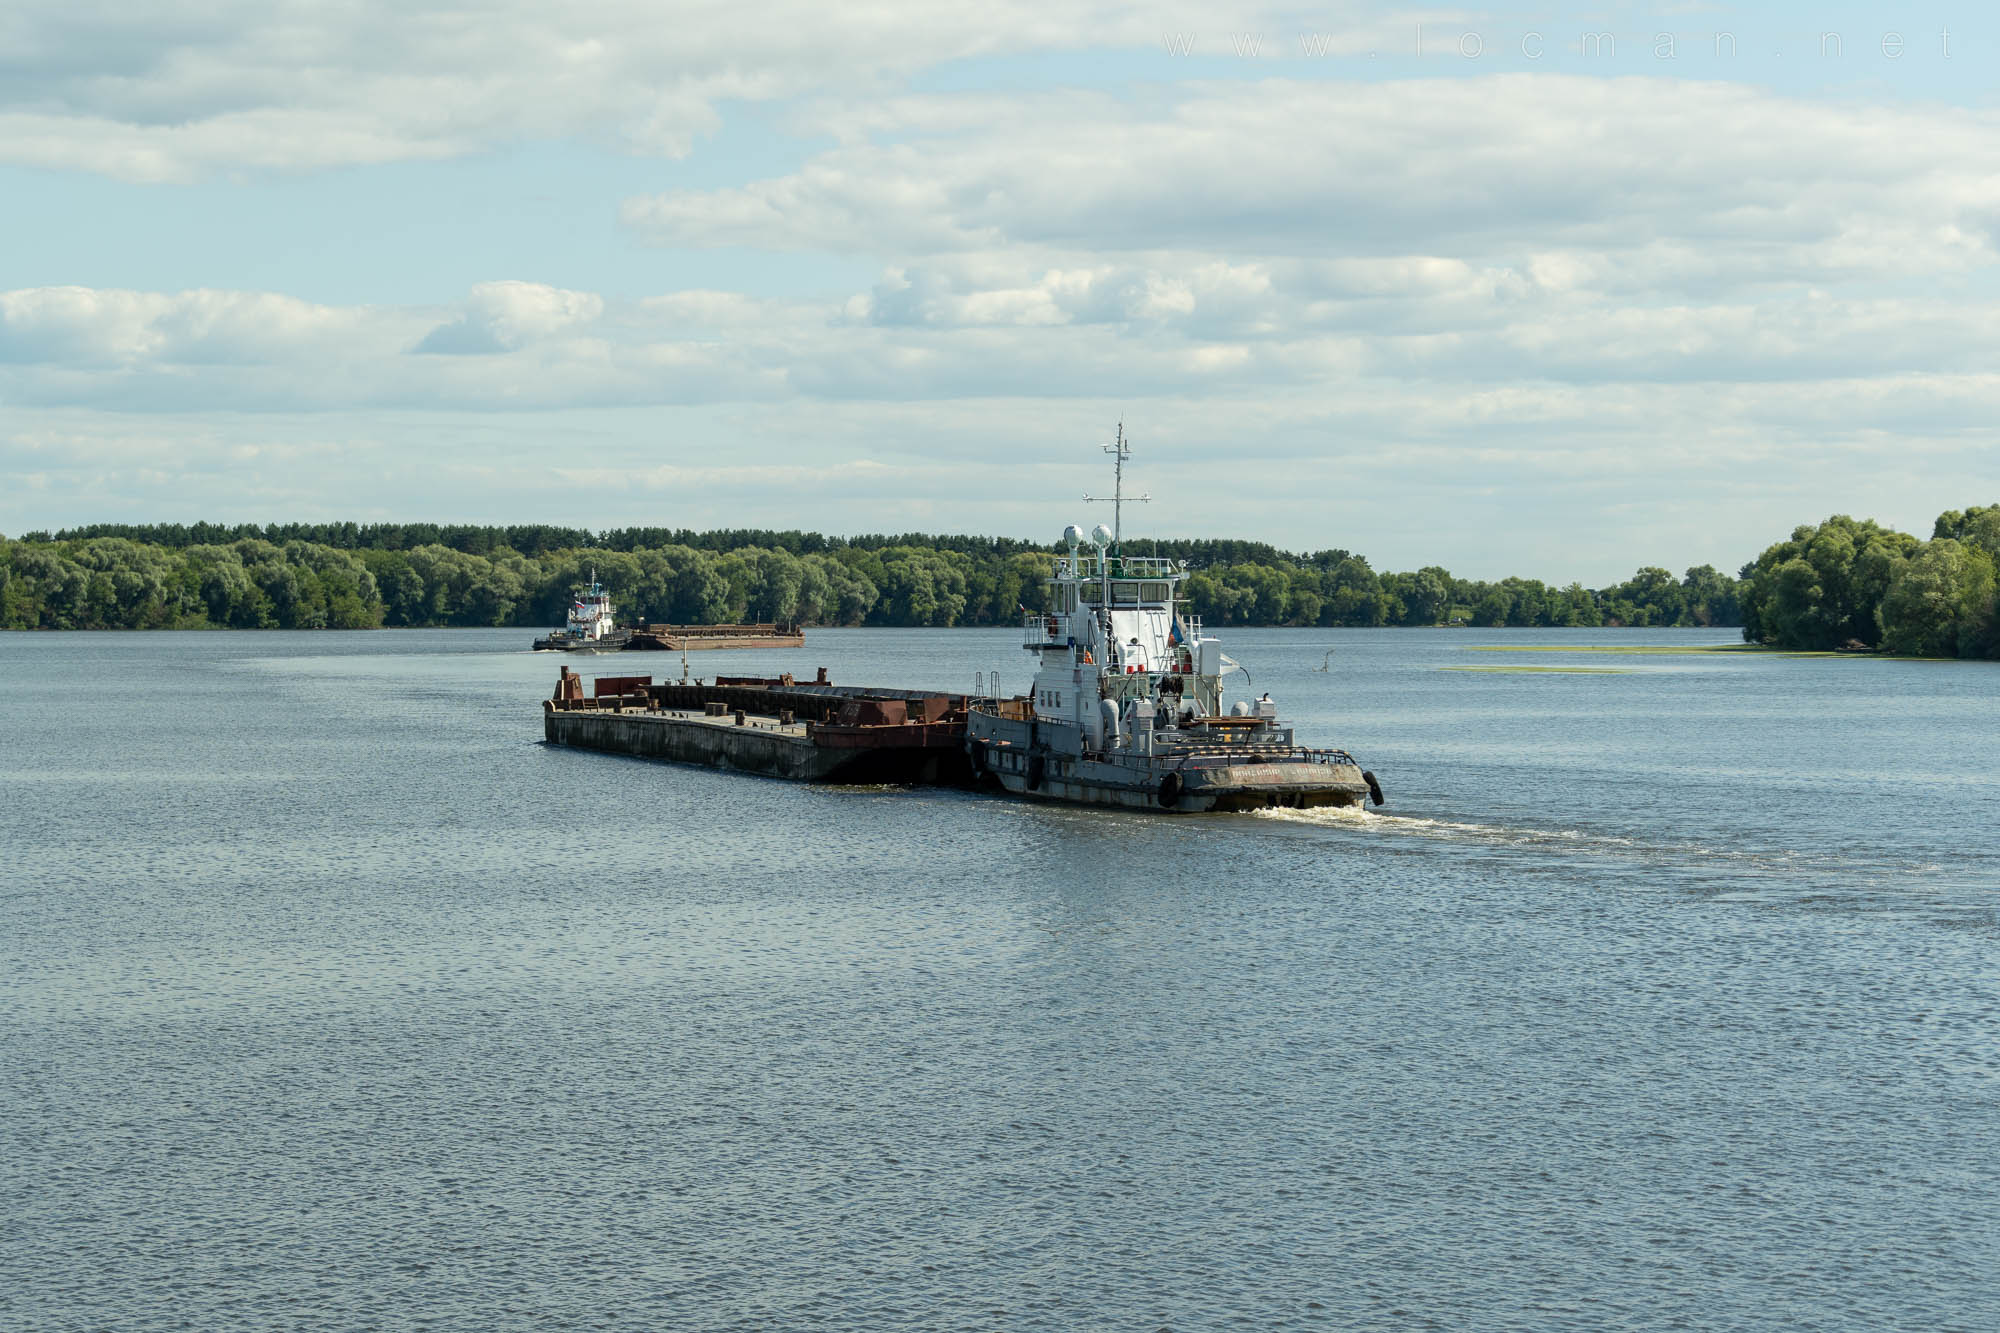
(675, 638)
(592, 629)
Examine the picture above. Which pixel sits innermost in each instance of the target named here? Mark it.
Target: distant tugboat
(1127, 703)
(591, 627)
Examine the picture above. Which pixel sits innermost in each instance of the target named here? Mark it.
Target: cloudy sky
(1551, 291)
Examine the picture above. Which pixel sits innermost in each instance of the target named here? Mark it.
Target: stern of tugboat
(1301, 783)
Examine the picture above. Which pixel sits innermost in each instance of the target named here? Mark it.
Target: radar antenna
(1118, 499)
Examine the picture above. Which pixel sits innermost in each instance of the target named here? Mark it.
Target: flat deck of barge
(813, 732)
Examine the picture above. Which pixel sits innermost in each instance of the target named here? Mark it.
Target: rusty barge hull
(802, 733)
(699, 638)
(762, 747)
(642, 643)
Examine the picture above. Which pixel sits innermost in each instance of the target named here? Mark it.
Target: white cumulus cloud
(1572, 181)
(504, 316)
(179, 92)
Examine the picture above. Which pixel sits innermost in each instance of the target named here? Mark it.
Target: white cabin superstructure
(590, 615)
(1115, 633)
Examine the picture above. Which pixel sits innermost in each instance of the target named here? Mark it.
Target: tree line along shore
(1841, 584)
(348, 576)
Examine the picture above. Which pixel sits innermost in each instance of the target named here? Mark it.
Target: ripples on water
(330, 998)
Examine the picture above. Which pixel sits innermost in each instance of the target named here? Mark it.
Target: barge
(806, 731)
(695, 638)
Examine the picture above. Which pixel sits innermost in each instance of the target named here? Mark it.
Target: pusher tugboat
(591, 627)
(1127, 705)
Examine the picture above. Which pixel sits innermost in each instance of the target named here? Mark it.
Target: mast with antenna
(1118, 499)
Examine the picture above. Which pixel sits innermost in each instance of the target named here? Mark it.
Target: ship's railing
(1325, 756)
(1042, 629)
(1214, 754)
(1121, 567)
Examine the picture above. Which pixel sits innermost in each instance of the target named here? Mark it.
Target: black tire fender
(1374, 787)
(1037, 769)
(1170, 791)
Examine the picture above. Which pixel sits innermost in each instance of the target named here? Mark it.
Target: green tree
(399, 588)
(1265, 594)
(1580, 607)
(1823, 587)
(921, 587)
(1426, 596)
(1710, 597)
(1940, 603)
